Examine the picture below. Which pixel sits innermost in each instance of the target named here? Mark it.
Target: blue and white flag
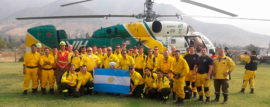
(112, 81)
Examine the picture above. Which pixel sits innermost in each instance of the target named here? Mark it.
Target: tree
(252, 47)
(3, 43)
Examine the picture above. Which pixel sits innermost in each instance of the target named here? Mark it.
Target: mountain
(219, 33)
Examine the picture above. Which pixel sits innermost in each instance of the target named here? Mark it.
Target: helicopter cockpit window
(109, 31)
(195, 41)
(173, 41)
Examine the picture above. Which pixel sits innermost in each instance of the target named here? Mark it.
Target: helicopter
(149, 33)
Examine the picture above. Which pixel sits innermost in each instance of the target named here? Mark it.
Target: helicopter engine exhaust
(156, 26)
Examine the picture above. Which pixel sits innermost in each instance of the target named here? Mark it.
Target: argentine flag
(112, 81)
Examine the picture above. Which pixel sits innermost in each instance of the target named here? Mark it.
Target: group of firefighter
(152, 76)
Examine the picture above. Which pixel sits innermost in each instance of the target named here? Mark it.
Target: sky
(243, 8)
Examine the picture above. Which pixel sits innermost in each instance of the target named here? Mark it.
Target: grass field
(11, 80)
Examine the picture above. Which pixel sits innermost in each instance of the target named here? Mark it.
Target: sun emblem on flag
(111, 79)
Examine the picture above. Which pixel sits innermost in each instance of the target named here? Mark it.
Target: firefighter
(251, 67)
(69, 82)
(62, 63)
(91, 61)
(130, 52)
(156, 53)
(76, 60)
(166, 64)
(47, 72)
(30, 70)
(227, 52)
(117, 51)
(135, 52)
(110, 57)
(191, 59)
(125, 61)
(151, 61)
(150, 83)
(180, 70)
(137, 83)
(162, 86)
(223, 65)
(173, 49)
(140, 61)
(94, 49)
(124, 46)
(99, 53)
(104, 50)
(85, 82)
(39, 50)
(70, 50)
(202, 71)
(83, 51)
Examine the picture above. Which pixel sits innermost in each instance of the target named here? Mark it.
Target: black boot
(43, 90)
(200, 99)
(225, 99)
(174, 96)
(217, 98)
(164, 101)
(252, 91)
(24, 92)
(179, 102)
(207, 100)
(51, 91)
(34, 91)
(242, 90)
(194, 94)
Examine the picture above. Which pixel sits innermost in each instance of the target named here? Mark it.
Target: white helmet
(112, 64)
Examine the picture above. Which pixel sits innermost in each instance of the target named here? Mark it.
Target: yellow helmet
(62, 43)
(38, 45)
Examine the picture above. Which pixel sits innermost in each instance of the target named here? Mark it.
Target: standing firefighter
(109, 57)
(251, 67)
(223, 65)
(191, 59)
(140, 61)
(61, 63)
(203, 69)
(76, 60)
(30, 69)
(125, 61)
(91, 61)
(47, 72)
(151, 61)
(180, 69)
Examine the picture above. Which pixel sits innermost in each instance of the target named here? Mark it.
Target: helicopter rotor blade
(216, 17)
(72, 3)
(74, 16)
(209, 7)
